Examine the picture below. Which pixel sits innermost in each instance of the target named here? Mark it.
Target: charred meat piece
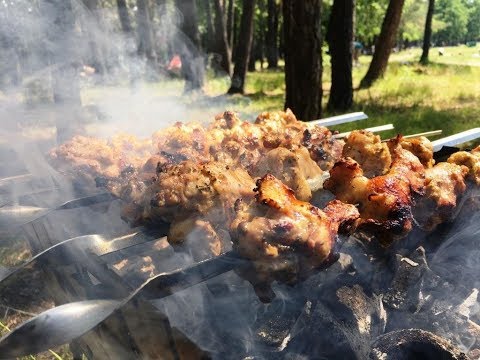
(368, 150)
(384, 202)
(444, 185)
(283, 236)
(180, 142)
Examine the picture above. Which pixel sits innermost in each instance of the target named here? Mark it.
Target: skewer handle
(340, 119)
(456, 139)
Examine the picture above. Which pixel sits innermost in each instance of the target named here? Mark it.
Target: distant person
(441, 51)
(357, 50)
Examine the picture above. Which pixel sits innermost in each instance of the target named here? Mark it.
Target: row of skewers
(278, 189)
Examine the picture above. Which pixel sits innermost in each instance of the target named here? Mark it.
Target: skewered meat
(286, 237)
(190, 188)
(422, 148)
(444, 185)
(89, 158)
(384, 202)
(368, 150)
(469, 159)
(294, 168)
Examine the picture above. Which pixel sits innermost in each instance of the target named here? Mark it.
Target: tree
(453, 17)
(145, 35)
(229, 25)
(412, 22)
(63, 54)
(340, 41)
(124, 17)
(92, 27)
(303, 57)
(272, 34)
(242, 53)
(188, 46)
(209, 44)
(427, 37)
(384, 44)
(369, 16)
(473, 26)
(221, 38)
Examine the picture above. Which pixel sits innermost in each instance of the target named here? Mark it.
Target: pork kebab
(201, 180)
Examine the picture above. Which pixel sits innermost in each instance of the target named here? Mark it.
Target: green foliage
(473, 26)
(369, 17)
(454, 14)
(412, 23)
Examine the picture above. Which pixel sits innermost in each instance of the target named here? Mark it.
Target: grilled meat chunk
(422, 148)
(191, 188)
(286, 237)
(90, 161)
(444, 185)
(294, 168)
(368, 150)
(469, 159)
(384, 202)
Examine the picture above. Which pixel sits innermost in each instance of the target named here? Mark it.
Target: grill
(126, 293)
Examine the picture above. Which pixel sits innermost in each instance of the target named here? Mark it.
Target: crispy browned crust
(278, 231)
(384, 202)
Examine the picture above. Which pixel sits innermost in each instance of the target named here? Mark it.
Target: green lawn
(444, 95)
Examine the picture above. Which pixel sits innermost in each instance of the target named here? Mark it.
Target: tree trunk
(65, 62)
(124, 17)
(303, 57)
(243, 48)
(253, 54)
(222, 47)
(93, 28)
(272, 34)
(193, 64)
(230, 15)
(145, 36)
(427, 37)
(384, 44)
(209, 45)
(339, 37)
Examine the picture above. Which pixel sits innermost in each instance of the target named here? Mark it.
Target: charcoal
(414, 344)
(348, 312)
(404, 290)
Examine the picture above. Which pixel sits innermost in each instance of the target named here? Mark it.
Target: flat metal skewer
(99, 245)
(67, 322)
(340, 119)
(16, 215)
(456, 139)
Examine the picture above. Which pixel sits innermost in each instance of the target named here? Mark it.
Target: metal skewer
(456, 139)
(96, 244)
(15, 215)
(340, 119)
(65, 323)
